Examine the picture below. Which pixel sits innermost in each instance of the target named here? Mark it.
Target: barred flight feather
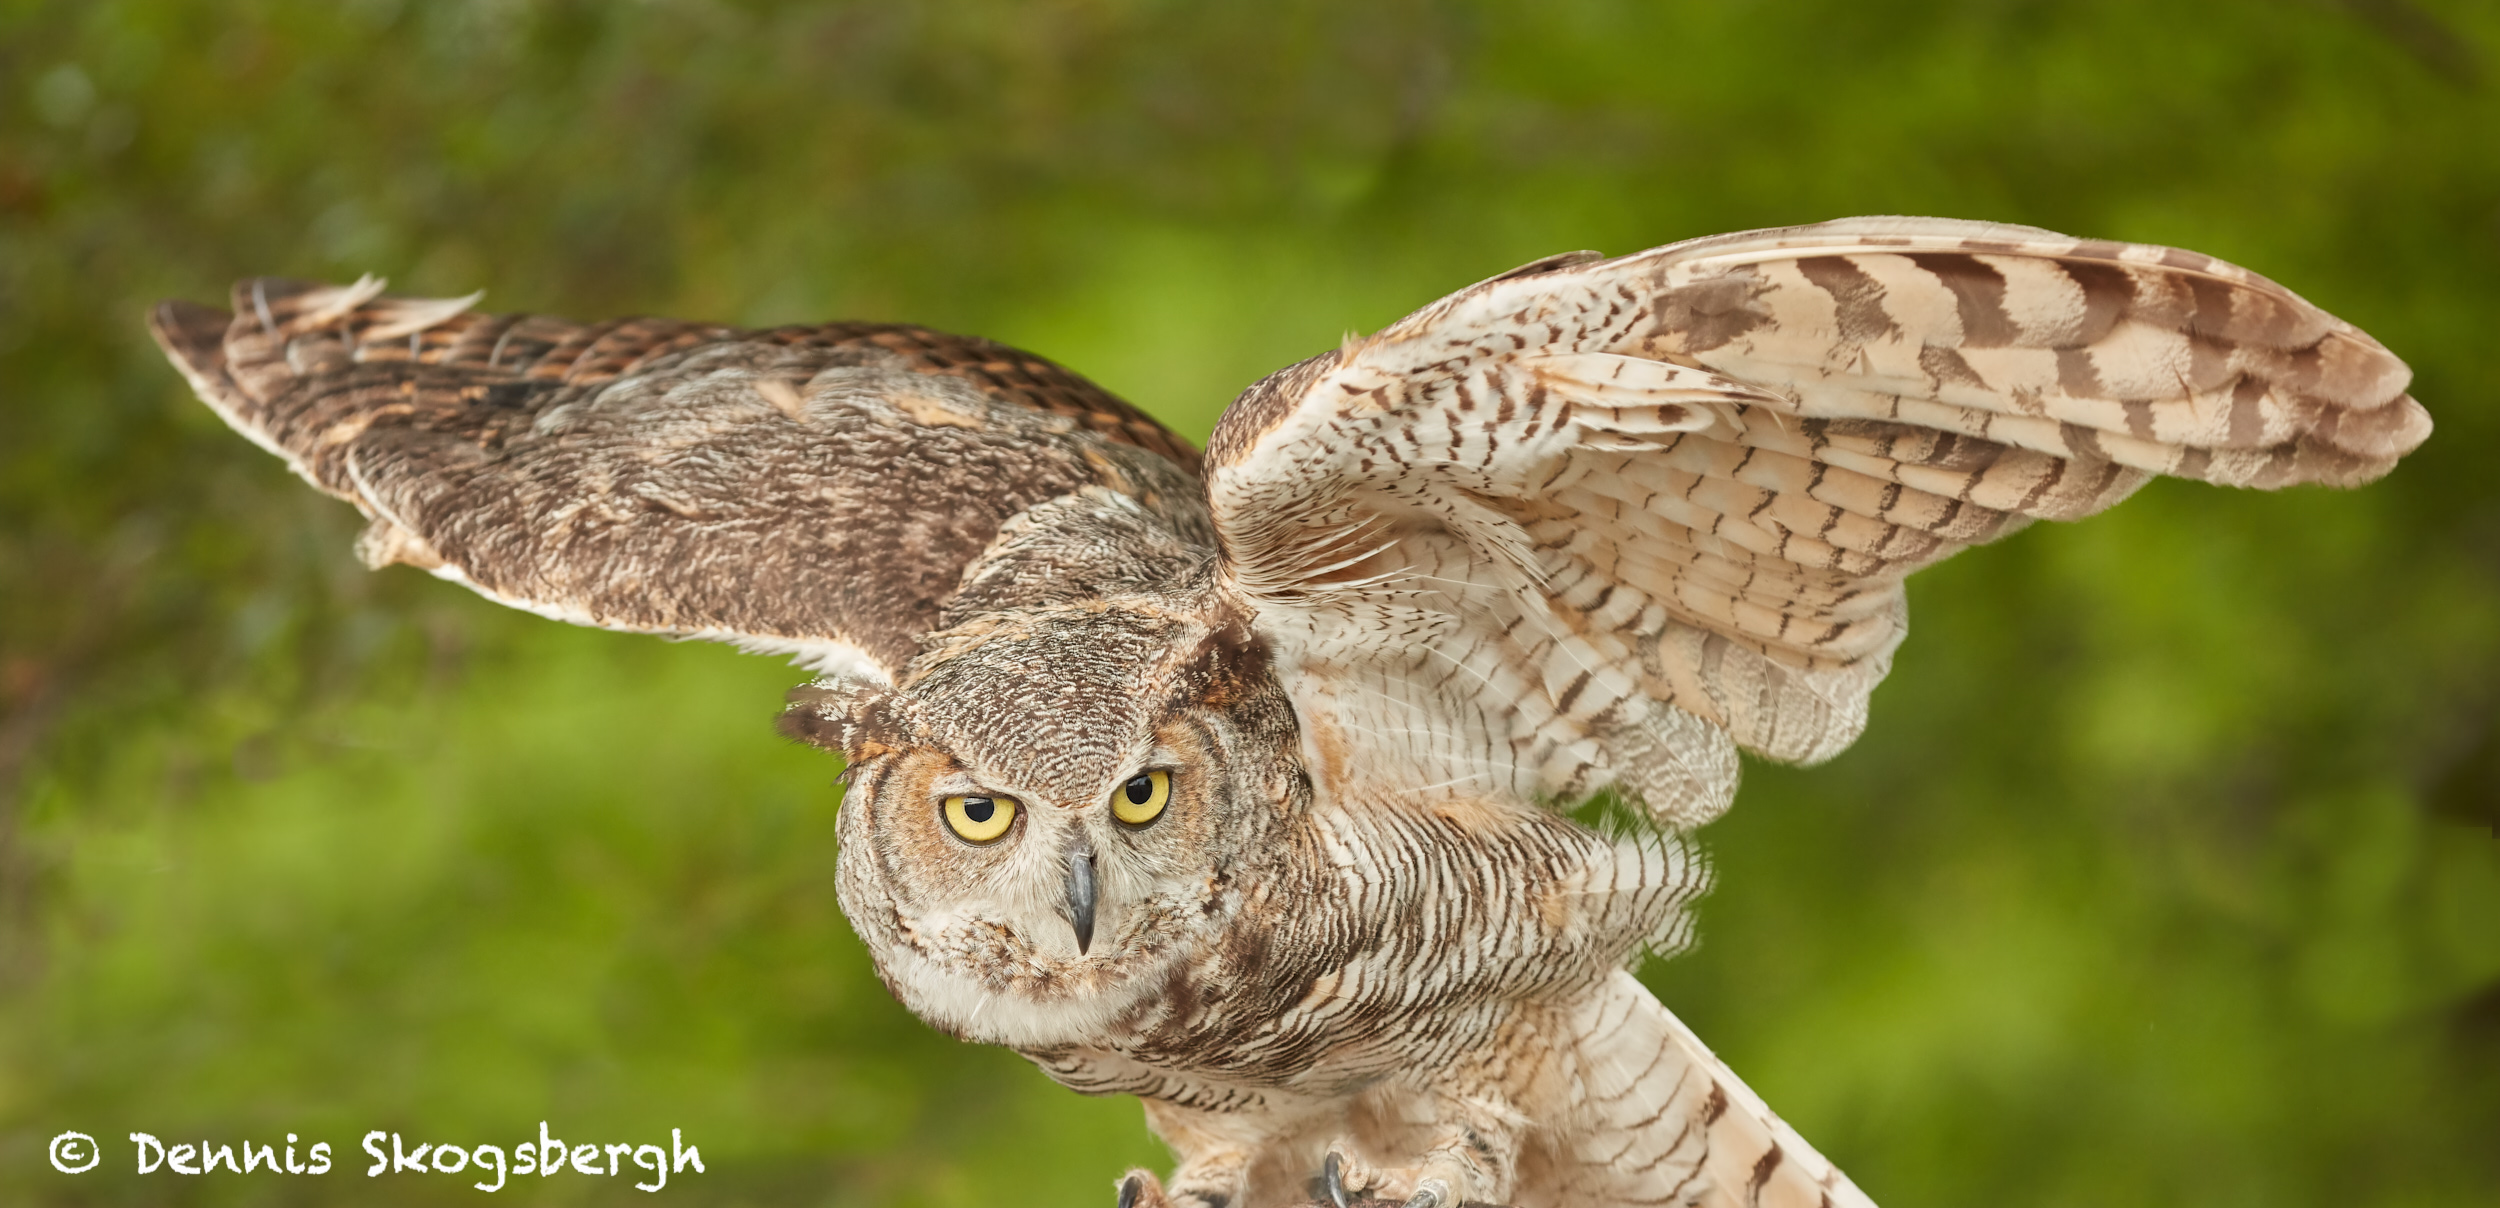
(1762, 435)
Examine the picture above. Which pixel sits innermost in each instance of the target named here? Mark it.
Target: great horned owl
(1230, 782)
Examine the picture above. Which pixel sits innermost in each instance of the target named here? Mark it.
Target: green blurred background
(2166, 873)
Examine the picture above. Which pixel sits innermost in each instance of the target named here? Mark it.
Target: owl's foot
(1332, 1179)
(1141, 1189)
(1348, 1183)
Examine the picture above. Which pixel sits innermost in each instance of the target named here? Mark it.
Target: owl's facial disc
(1135, 771)
(1038, 856)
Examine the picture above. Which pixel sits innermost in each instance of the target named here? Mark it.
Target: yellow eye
(1142, 799)
(980, 819)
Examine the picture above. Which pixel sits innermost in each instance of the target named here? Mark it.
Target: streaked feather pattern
(814, 491)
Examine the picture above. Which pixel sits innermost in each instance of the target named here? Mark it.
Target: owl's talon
(1433, 1193)
(1332, 1176)
(1141, 1189)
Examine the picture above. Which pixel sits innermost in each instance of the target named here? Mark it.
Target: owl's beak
(1081, 892)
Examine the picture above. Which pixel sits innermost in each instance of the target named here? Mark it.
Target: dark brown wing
(810, 490)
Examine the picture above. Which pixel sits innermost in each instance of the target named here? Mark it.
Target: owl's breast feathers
(1370, 938)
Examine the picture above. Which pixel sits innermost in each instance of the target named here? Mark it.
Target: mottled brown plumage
(1229, 785)
(672, 477)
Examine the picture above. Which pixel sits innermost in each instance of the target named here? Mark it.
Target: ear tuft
(835, 714)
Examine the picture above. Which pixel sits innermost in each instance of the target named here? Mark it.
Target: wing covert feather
(1602, 522)
(816, 491)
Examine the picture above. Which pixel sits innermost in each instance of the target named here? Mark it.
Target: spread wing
(1603, 522)
(816, 491)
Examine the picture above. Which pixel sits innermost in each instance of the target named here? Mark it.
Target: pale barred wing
(1605, 521)
(1657, 1118)
(816, 491)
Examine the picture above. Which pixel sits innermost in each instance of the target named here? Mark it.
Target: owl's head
(1053, 808)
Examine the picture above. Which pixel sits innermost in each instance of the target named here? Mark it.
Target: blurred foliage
(2166, 874)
